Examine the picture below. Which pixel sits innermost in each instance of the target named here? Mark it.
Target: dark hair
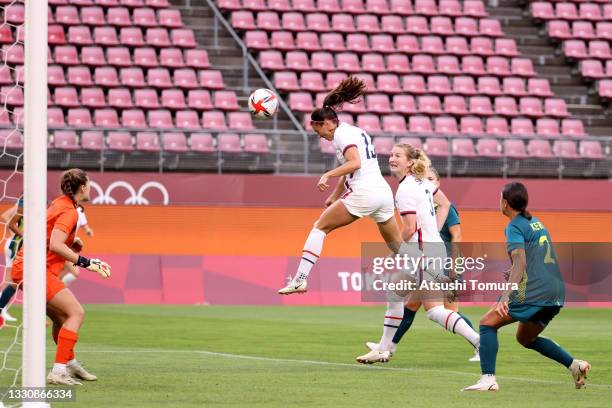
(435, 172)
(350, 90)
(72, 180)
(517, 197)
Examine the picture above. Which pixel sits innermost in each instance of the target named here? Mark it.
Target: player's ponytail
(72, 180)
(517, 198)
(420, 161)
(350, 90)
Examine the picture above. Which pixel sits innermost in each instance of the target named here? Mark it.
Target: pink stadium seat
(450, 8)
(305, 40)
(572, 127)
(539, 148)
(67, 15)
(174, 142)
(77, 35)
(56, 35)
(187, 119)
(305, 6)
(65, 97)
(542, 10)
(106, 77)
(290, 21)
(454, 105)
(232, 5)
(425, 7)
(333, 79)
(228, 143)
(404, 104)
(343, 23)
(268, 20)
(565, 149)
(329, 6)
(201, 142)
(197, 58)
(317, 22)
(590, 11)
(530, 106)
(159, 78)
(145, 57)
(118, 16)
(394, 124)
(498, 66)
(407, 44)
(133, 118)
(329, 42)
(256, 143)
(432, 45)
(5, 75)
(297, 61)
(506, 47)
(105, 36)
(566, 11)
(555, 107)
(374, 63)
(559, 29)
(346, 118)
(358, 107)
(257, 40)
(279, 5)
(286, 81)
(488, 148)
(370, 123)
(347, 62)
(353, 6)
(491, 27)
(383, 145)
(473, 65)
(240, 121)
(92, 140)
(547, 127)
(413, 141)
(482, 46)
(120, 141)
(55, 117)
(367, 24)
(471, 125)
(147, 142)
(312, 82)
(398, 63)
(378, 103)
(591, 149)
(522, 127)
(438, 84)
(93, 56)
(199, 99)
(119, 98)
(377, 7)
(157, 37)
(106, 118)
(445, 125)
(506, 106)
(466, 26)
(282, 40)
(14, 13)
(171, 18)
(80, 76)
(160, 118)
(607, 11)
(64, 54)
(474, 8)
(271, 60)
(463, 147)
(599, 49)
(439, 25)
(497, 126)
(430, 105)
(592, 69)
(382, 43)
(436, 147)
(401, 7)
(119, 56)
(144, 17)
(171, 57)
(131, 36)
(173, 99)
(392, 24)
(418, 25)
(575, 49)
(515, 149)
(185, 78)
(388, 83)
(132, 77)
(11, 96)
(423, 64)
(583, 29)
(368, 80)
(226, 100)
(489, 86)
(464, 85)
(146, 98)
(481, 106)
(514, 86)
(414, 84)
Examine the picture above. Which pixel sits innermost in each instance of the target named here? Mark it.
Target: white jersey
(415, 196)
(82, 220)
(369, 175)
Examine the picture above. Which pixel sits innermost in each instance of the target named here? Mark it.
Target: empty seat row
(366, 23)
(578, 49)
(112, 3)
(595, 69)
(419, 84)
(396, 63)
(580, 29)
(122, 98)
(569, 11)
(410, 44)
(473, 8)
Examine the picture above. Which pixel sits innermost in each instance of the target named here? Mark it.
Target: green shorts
(541, 315)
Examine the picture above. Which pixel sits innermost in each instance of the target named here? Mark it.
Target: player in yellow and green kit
(539, 297)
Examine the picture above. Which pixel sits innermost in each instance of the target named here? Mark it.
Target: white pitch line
(335, 364)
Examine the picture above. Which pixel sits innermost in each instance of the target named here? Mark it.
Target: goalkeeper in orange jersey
(62, 306)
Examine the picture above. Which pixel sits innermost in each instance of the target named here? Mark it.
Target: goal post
(35, 196)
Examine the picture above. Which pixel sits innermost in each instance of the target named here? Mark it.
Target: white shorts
(8, 253)
(376, 203)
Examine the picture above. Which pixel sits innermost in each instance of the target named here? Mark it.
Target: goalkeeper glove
(95, 265)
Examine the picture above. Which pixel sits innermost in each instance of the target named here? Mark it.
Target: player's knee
(524, 340)
(77, 313)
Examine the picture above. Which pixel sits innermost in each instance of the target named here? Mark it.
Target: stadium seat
(466, 26)
(565, 149)
(146, 98)
(147, 142)
(257, 40)
(226, 100)
(64, 54)
(145, 57)
(474, 8)
(133, 118)
(157, 37)
(506, 47)
(228, 143)
(106, 118)
(445, 125)
(514, 86)
(119, 56)
(547, 127)
(211, 79)
(383, 145)
(392, 24)
(419, 124)
(175, 142)
(408, 44)
(382, 43)
(438, 84)
(132, 77)
(575, 49)
(290, 21)
(312, 82)
(592, 69)
(240, 121)
(423, 64)
(481, 106)
(394, 123)
(583, 29)
(430, 105)
(118, 16)
(515, 149)
(93, 56)
(374, 63)
(305, 40)
(404, 104)
(488, 148)
(590, 11)
(522, 67)
(5, 75)
(369, 122)
(78, 117)
(346, 62)
(432, 45)
(67, 15)
(199, 99)
(14, 13)
(591, 149)
(464, 85)
(63, 96)
(461, 147)
(92, 140)
(436, 147)
(388, 83)
(378, 103)
(159, 78)
(398, 63)
(297, 61)
(377, 7)
(473, 65)
(187, 119)
(454, 105)
(213, 120)
(333, 79)
(604, 30)
(599, 49)
(66, 140)
(171, 57)
(566, 11)
(457, 46)
(498, 66)
(160, 118)
(173, 99)
(105, 77)
(329, 42)
(318, 22)
(530, 106)
(489, 86)
(286, 81)
(555, 107)
(131, 36)
(170, 18)
(11, 96)
(271, 60)
(93, 16)
(490, 27)
(506, 106)
(522, 127)
(572, 127)
(442, 26)
(119, 98)
(268, 20)
(367, 24)
(471, 125)
(418, 25)
(77, 35)
(280, 5)
(185, 78)
(482, 46)
(538, 148)
(202, 142)
(300, 102)
(120, 141)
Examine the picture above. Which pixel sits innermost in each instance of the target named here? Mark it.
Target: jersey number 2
(370, 153)
(548, 259)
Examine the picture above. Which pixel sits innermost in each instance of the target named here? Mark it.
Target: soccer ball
(263, 103)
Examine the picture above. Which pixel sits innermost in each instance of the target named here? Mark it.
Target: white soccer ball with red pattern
(263, 103)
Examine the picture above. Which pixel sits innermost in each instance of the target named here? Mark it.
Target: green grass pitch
(253, 356)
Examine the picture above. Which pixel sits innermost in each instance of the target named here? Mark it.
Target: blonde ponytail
(420, 161)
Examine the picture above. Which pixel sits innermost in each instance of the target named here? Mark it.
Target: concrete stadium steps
(564, 79)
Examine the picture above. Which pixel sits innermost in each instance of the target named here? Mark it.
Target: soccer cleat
(375, 356)
(7, 317)
(579, 370)
(486, 383)
(476, 356)
(78, 371)
(376, 347)
(294, 285)
(62, 378)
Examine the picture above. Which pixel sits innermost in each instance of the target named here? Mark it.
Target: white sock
(59, 368)
(393, 318)
(71, 363)
(310, 253)
(454, 323)
(488, 378)
(68, 278)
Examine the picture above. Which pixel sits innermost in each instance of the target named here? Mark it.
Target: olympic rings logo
(135, 197)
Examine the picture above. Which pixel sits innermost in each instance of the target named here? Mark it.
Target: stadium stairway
(533, 43)
(226, 55)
